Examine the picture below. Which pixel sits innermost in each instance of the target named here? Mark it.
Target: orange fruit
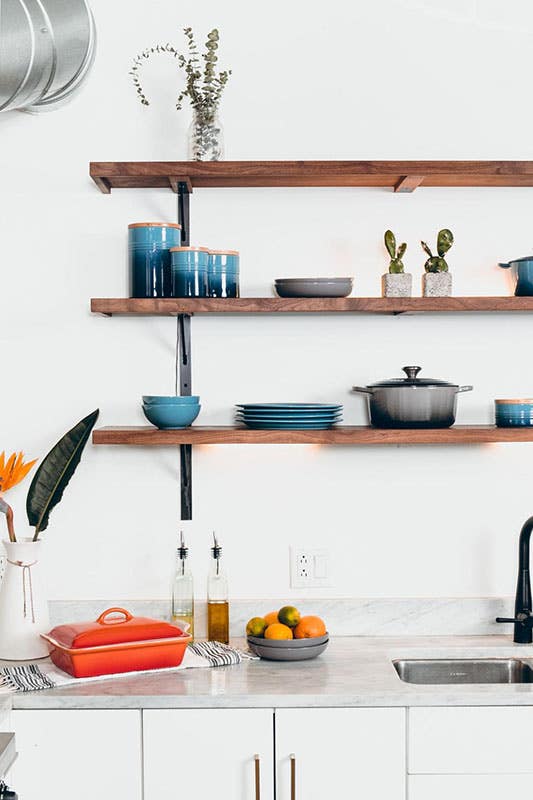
(278, 631)
(256, 627)
(271, 617)
(288, 615)
(309, 628)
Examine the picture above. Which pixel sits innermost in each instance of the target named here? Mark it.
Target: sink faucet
(523, 616)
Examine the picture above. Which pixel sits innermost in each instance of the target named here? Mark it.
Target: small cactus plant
(438, 263)
(396, 255)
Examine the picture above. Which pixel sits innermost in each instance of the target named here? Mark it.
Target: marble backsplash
(344, 617)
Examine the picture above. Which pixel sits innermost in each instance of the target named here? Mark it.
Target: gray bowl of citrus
(285, 635)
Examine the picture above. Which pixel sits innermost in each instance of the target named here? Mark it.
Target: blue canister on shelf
(223, 273)
(514, 413)
(189, 271)
(149, 257)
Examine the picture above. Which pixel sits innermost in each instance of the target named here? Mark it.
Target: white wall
(387, 79)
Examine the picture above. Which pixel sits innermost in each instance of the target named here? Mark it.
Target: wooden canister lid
(154, 225)
(224, 252)
(185, 249)
(518, 401)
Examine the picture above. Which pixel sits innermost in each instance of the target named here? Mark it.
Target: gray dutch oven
(412, 402)
(523, 269)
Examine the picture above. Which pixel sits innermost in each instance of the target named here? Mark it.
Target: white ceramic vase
(23, 604)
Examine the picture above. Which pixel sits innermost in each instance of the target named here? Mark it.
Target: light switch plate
(310, 568)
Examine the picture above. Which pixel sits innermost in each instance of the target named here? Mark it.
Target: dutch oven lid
(507, 264)
(112, 629)
(410, 380)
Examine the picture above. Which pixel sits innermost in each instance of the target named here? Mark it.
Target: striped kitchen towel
(34, 677)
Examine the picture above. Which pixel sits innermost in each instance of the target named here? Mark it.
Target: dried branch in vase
(203, 88)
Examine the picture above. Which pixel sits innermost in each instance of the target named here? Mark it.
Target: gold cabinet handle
(257, 761)
(293, 776)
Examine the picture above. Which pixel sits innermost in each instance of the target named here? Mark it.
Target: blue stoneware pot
(149, 246)
(189, 271)
(223, 273)
(524, 275)
(514, 413)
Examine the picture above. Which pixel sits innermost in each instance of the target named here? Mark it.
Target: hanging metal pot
(412, 402)
(46, 50)
(75, 42)
(27, 53)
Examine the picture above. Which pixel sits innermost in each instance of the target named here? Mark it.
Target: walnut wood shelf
(342, 434)
(400, 176)
(280, 305)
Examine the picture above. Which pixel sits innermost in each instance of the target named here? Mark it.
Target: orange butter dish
(115, 644)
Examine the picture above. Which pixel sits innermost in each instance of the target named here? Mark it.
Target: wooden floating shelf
(400, 176)
(343, 434)
(280, 305)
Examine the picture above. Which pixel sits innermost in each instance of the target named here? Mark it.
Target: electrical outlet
(309, 568)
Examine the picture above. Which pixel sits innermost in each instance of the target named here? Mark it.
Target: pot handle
(362, 389)
(464, 389)
(102, 618)
(504, 265)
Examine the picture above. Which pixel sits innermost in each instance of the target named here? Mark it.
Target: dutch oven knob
(411, 372)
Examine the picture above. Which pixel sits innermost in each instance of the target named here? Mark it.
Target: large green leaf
(55, 471)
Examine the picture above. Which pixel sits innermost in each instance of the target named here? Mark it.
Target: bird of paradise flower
(12, 471)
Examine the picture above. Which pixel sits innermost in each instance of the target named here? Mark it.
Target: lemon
(256, 627)
(288, 615)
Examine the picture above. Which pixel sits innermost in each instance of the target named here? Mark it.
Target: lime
(256, 627)
(288, 615)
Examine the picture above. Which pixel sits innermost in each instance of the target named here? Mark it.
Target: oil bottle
(182, 610)
(217, 598)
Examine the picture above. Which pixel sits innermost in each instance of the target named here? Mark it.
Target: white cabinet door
(208, 753)
(469, 740)
(341, 753)
(468, 787)
(77, 754)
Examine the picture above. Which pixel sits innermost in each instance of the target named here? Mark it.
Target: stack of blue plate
(298, 416)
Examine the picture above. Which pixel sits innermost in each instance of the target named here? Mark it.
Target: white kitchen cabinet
(208, 753)
(468, 787)
(341, 753)
(469, 740)
(67, 755)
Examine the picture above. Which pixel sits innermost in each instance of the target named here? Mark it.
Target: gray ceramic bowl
(314, 287)
(286, 653)
(284, 643)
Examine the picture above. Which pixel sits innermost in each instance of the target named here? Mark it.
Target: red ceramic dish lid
(110, 628)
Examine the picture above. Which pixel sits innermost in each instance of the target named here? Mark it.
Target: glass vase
(23, 604)
(206, 139)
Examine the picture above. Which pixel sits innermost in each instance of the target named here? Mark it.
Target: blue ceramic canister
(514, 413)
(149, 246)
(223, 273)
(189, 271)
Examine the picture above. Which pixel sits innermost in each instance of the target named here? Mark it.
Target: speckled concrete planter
(396, 285)
(437, 284)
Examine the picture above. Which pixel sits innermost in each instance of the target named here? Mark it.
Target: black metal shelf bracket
(184, 383)
(183, 357)
(184, 190)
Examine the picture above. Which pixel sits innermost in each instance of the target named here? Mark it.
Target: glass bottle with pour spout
(217, 598)
(182, 603)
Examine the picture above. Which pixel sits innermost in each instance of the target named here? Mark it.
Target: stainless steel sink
(486, 670)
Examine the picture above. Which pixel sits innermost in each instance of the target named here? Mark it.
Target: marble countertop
(354, 671)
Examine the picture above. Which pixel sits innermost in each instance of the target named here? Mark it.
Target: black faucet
(523, 617)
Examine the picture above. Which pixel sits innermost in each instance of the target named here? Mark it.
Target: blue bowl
(161, 399)
(171, 417)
